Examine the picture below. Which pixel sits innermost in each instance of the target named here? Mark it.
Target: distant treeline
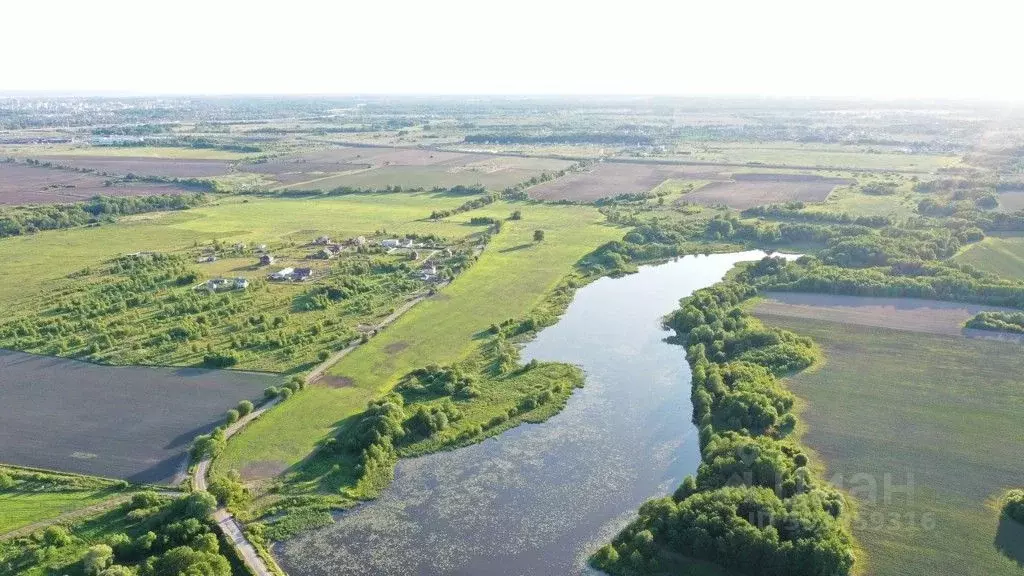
(796, 211)
(575, 137)
(21, 220)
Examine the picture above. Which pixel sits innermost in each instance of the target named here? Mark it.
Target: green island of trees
(998, 322)
(754, 506)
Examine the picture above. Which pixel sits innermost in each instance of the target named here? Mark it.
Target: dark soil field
(749, 190)
(612, 179)
(909, 314)
(133, 423)
(143, 166)
(20, 184)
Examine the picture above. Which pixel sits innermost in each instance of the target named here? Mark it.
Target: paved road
(227, 524)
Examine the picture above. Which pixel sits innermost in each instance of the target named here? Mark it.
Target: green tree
(97, 558)
(184, 561)
(538, 235)
(200, 504)
(56, 536)
(245, 407)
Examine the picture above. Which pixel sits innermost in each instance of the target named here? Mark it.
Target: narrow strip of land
(227, 524)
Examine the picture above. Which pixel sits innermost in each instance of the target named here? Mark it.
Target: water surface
(540, 498)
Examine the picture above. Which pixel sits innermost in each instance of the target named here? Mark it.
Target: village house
(323, 240)
(282, 275)
(205, 259)
(302, 274)
(266, 260)
(324, 254)
(223, 284)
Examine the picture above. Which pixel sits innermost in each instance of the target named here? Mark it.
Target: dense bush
(998, 321)
(20, 220)
(1013, 505)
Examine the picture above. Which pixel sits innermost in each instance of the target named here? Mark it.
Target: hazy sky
(880, 49)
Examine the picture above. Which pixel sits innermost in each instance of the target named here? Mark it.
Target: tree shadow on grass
(522, 246)
(1010, 539)
(325, 472)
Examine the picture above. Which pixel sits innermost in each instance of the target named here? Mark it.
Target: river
(540, 498)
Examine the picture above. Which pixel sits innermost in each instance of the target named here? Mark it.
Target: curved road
(227, 524)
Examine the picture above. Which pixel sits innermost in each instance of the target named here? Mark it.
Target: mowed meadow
(998, 255)
(935, 416)
(512, 276)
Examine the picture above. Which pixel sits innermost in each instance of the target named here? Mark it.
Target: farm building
(322, 240)
(205, 259)
(397, 243)
(302, 274)
(357, 241)
(324, 254)
(266, 260)
(282, 275)
(223, 285)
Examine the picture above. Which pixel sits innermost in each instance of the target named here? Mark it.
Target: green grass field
(39, 260)
(945, 410)
(999, 255)
(18, 509)
(510, 279)
(29, 496)
(819, 155)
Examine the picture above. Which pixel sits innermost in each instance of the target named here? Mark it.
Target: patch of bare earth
(607, 180)
(335, 381)
(910, 314)
(145, 166)
(749, 190)
(263, 469)
(396, 347)
(21, 184)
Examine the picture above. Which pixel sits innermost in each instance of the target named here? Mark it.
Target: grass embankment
(945, 410)
(30, 496)
(1002, 255)
(44, 260)
(511, 278)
